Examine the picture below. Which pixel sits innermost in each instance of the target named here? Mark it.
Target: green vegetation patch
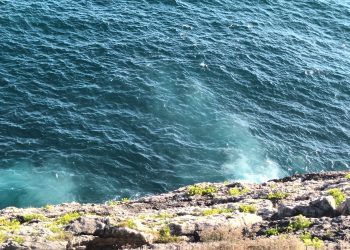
(300, 222)
(347, 176)
(311, 241)
(165, 236)
(337, 194)
(273, 231)
(130, 223)
(115, 202)
(276, 196)
(60, 236)
(9, 225)
(67, 218)
(214, 211)
(30, 217)
(48, 207)
(245, 208)
(200, 190)
(237, 191)
(3, 237)
(18, 239)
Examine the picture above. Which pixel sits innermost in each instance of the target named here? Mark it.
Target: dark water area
(101, 100)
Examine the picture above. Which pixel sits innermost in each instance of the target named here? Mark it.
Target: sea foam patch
(26, 185)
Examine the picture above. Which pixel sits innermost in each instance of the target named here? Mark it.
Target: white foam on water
(246, 157)
(27, 185)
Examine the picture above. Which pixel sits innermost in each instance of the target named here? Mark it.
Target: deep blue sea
(105, 99)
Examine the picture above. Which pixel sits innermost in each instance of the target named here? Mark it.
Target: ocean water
(104, 99)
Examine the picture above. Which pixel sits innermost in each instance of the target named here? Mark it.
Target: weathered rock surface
(208, 216)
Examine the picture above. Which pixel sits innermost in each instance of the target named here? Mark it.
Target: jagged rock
(88, 225)
(285, 211)
(122, 236)
(344, 207)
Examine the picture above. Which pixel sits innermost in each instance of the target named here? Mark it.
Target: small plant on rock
(347, 176)
(67, 218)
(277, 196)
(130, 223)
(272, 231)
(18, 239)
(200, 190)
(30, 217)
(9, 225)
(311, 241)
(245, 208)
(300, 222)
(337, 194)
(236, 191)
(214, 211)
(3, 237)
(165, 235)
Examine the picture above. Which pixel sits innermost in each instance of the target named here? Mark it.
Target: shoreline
(295, 212)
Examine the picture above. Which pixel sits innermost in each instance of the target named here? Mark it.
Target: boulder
(88, 226)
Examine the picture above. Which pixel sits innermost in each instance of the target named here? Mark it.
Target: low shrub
(244, 208)
(300, 222)
(236, 191)
(277, 196)
(214, 211)
(337, 194)
(200, 190)
(165, 236)
(311, 241)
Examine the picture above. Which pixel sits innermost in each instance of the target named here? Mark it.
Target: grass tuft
(301, 222)
(200, 190)
(128, 223)
(311, 241)
(67, 218)
(165, 236)
(277, 196)
(30, 217)
(236, 191)
(245, 208)
(9, 225)
(273, 231)
(337, 194)
(3, 237)
(214, 211)
(19, 239)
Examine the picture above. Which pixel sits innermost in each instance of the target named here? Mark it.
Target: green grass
(214, 211)
(18, 239)
(130, 223)
(67, 218)
(48, 207)
(272, 231)
(60, 236)
(200, 190)
(9, 225)
(347, 176)
(311, 241)
(277, 196)
(114, 202)
(30, 217)
(236, 191)
(301, 222)
(165, 236)
(3, 237)
(337, 194)
(245, 208)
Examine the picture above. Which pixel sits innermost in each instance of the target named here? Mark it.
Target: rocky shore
(310, 211)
